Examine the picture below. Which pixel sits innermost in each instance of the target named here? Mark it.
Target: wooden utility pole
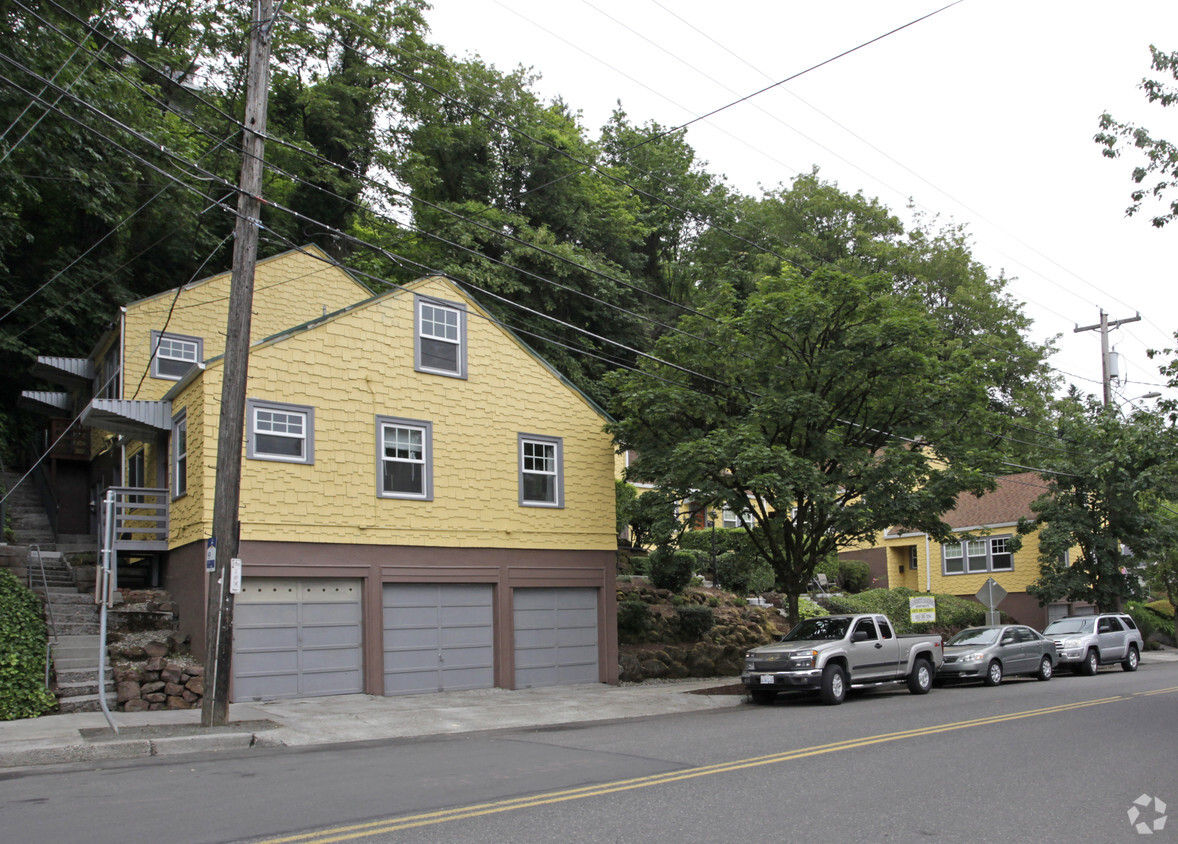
(219, 620)
(1105, 370)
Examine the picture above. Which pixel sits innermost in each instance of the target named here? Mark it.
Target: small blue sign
(211, 555)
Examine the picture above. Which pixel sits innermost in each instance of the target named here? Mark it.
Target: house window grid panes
(729, 519)
(541, 472)
(280, 432)
(173, 355)
(977, 556)
(180, 456)
(440, 338)
(404, 458)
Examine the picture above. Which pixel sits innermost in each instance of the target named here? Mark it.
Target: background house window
(173, 355)
(977, 556)
(280, 431)
(912, 558)
(404, 458)
(541, 475)
(180, 455)
(729, 519)
(440, 345)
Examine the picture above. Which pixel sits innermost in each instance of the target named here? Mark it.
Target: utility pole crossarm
(1103, 326)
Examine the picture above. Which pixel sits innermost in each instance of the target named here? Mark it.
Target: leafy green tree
(1110, 476)
(1160, 155)
(824, 407)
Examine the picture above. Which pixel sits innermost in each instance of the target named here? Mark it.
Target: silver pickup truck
(830, 653)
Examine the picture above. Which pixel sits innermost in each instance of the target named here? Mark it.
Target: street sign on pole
(991, 594)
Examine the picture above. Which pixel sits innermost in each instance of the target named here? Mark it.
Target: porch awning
(68, 372)
(45, 401)
(134, 418)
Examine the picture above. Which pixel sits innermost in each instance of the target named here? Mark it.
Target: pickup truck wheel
(1045, 670)
(761, 697)
(834, 685)
(1090, 664)
(994, 673)
(1132, 659)
(921, 678)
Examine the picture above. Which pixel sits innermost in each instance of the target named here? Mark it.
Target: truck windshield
(1069, 625)
(817, 628)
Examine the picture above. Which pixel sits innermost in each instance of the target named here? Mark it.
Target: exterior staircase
(72, 616)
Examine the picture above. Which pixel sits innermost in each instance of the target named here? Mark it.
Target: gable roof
(1009, 501)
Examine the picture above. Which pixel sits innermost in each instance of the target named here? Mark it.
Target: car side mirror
(860, 636)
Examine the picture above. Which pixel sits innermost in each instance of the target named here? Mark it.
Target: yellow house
(962, 567)
(426, 505)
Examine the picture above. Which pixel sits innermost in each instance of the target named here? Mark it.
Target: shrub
(633, 621)
(953, 613)
(695, 621)
(671, 570)
(1150, 620)
(810, 609)
(854, 576)
(743, 574)
(22, 652)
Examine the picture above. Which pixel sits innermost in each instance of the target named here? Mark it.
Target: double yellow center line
(387, 825)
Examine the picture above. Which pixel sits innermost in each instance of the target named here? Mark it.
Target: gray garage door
(555, 636)
(296, 638)
(438, 637)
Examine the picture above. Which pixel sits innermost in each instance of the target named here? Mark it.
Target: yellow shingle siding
(289, 289)
(359, 365)
(190, 516)
(1024, 573)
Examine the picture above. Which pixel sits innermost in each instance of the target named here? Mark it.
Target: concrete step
(87, 703)
(82, 676)
(72, 597)
(75, 689)
(79, 663)
(56, 590)
(70, 628)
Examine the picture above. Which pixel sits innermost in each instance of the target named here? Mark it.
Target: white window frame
(179, 457)
(253, 407)
(426, 429)
(729, 518)
(425, 310)
(528, 469)
(976, 556)
(158, 341)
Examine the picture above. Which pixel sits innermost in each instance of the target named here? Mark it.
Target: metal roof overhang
(134, 418)
(45, 401)
(69, 372)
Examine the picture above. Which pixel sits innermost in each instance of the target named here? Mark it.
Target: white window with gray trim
(404, 458)
(180, 454)
(976, 556)
(280, 431)
(541, 471)
(172, 355)
(439, 337)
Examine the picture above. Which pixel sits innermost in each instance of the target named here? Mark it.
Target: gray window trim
(457, 307)
(251, 450)
(965, 557)
(154, 351)
(427, 442)
(179, 422)
(558, 442)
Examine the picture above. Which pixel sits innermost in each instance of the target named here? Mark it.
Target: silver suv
(1087, 642)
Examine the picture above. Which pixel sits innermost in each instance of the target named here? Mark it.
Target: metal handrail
(48, 604)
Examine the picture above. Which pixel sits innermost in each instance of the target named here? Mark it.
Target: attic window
(440, 338)
(172, 355)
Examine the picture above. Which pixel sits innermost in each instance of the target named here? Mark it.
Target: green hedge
(953, 613)
(1152, 618)
(22, 652)
(671, 570)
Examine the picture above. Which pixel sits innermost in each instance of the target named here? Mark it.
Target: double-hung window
(440, 337)
(404, 454)
(174, 354)
(976, 556)
(541, 473)
(729, 518)
(279, 431)
(180, 454)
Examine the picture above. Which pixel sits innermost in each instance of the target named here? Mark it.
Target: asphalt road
(1027, 761)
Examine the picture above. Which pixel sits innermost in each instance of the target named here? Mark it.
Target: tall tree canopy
(1160, 154)
(1112, 477)
(823, 407)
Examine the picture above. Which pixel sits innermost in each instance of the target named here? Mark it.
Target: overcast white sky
(983, 113)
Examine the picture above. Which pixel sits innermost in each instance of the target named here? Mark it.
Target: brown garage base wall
(184, 576)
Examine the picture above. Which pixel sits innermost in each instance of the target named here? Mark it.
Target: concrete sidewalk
(86, 736)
